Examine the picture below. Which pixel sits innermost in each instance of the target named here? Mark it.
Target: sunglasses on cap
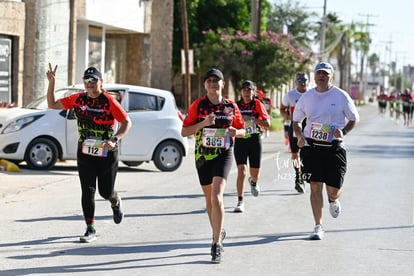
(90, 80)
(302, 79)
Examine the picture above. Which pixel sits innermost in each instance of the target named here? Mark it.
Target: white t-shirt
(324, 112)
(291, 98)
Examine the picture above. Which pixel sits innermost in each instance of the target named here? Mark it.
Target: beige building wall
(161, 43)
(12, 24)
(29, 52)
(44, 33)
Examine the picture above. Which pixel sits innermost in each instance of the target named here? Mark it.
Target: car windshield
(41, 103)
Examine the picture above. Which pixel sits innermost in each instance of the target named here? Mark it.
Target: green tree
(237, 54)
(299, 23)
(338, 45)
(373, 63)
(208, 15)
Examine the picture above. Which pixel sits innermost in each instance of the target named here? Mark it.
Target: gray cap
(324, 66)
(213, 72)
(249, 84)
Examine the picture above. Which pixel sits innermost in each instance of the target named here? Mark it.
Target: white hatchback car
(41, 136)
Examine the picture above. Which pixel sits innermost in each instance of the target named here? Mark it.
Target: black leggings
(91, 168)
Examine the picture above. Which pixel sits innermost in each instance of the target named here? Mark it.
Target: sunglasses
(301, 79)
(90, 80)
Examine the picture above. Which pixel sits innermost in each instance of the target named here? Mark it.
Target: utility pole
(256, 7)
(255, 16)
(387, 61)
(364, 65)
(323, 31)
(187, 77)
(402, 71)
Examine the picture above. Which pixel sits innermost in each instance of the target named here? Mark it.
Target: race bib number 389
(320, 132)
(215, 138)
(94, 147)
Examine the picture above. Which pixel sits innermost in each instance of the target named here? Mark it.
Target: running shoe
(317, 233)
(299, 185)
(240, 207)
(223, 234)
(335, 208)
(254, 188)
(89, 236)
(222, 237)
(117, 210)
(216, 256)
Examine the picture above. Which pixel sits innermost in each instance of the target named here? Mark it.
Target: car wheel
(132, 163)
(41, 154)
(168, 156)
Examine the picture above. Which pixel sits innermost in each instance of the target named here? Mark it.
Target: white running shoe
(335, 208)
(254, 188)
(240, 207)
(317, 233)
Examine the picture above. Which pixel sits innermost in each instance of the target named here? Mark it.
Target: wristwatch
(115, 139)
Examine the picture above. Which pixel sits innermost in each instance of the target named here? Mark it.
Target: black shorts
(382, 104)
(324, 164)
(406, 108)
(293, 141)
(248, 148)
(219, 166)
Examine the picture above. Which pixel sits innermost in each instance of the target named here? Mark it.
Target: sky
(392, 24)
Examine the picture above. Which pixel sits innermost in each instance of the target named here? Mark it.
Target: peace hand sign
(51, 72)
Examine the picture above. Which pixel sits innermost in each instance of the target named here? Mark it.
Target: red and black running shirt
(227, 114)
(95, 116)
(254, 108)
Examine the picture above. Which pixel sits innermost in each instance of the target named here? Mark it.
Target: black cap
(249, 84)
(213, 72)
(92, 72)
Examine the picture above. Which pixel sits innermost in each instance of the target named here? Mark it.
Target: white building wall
(82, 55)
(81, 51)
(124, 14)
(52, 29)
(52, 43)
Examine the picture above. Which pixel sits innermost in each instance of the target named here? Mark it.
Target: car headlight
(20, 124)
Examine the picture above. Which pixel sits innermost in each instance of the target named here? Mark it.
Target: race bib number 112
(94, 147)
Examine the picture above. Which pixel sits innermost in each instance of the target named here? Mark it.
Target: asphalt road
(166, 231)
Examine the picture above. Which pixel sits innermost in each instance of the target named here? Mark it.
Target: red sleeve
(116, 109)
(238, 121)
(261, 109)
(191, 116)
(69, 101)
